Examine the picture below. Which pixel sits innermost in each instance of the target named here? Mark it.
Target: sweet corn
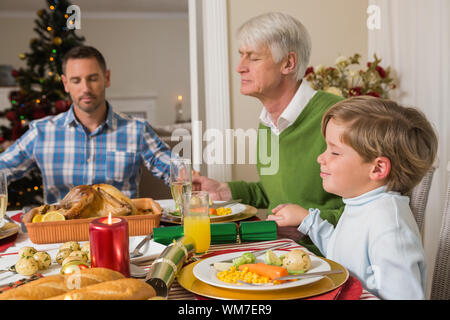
(232, 275)
(222, 211)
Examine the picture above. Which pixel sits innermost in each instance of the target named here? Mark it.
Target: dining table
(185, 286)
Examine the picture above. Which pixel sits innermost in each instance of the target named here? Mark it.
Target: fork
(10, 269)
(136, 253)
(257, 252)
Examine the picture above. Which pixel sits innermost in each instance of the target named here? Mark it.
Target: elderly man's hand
(217, 190)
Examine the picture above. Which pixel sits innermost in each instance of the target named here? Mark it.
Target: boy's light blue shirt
(377, 240)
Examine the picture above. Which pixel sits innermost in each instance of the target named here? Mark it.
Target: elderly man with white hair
(275, 50)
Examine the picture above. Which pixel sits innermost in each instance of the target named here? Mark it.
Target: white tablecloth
(10, 257)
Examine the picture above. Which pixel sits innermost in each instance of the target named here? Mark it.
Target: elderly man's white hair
(282, 34)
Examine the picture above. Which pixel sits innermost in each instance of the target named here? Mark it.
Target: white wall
(147, 55)
(336, 28)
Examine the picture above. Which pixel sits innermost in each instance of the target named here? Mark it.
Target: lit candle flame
(109, 219)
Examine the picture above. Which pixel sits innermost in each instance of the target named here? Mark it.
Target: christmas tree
(41, 92)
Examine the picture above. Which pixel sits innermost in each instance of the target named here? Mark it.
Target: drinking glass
(196, 222)
(180, 180)
(3, 197)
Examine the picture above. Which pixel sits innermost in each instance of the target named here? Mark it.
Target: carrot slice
(265, 270)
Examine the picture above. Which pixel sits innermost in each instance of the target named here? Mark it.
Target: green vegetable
(246, 258)
(272, 259)
(176, 213)
(296, 271)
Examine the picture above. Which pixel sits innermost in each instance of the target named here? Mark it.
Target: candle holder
(109, 244)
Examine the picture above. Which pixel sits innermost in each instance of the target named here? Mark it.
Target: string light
(51, 59)
(49, 28)
(52, 7)
(38, 101)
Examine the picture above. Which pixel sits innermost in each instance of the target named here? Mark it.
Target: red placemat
(17, 217)
(350, 290)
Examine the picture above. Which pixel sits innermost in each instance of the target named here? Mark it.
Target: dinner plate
(188, 281)
(8, 229)
(204, 272)
(168, 206)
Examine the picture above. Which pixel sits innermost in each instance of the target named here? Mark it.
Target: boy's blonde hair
(380, 127)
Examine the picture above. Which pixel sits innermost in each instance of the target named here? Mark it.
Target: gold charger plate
(188, 281)
(248, 213)
(8, 230)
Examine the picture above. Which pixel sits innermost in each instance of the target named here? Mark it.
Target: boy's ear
(381, 168)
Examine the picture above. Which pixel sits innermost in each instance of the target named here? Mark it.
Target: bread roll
(59, 284)
(122, 289)
(90, 276)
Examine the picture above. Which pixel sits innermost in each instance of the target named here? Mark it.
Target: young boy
(377, 151)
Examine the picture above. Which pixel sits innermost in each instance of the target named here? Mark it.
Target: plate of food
(228, 210)
(257, 273)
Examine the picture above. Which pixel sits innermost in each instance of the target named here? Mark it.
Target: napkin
(220, 233)
(223, 233)
(258, 230)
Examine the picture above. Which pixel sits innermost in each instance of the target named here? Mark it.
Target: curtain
(413, 37)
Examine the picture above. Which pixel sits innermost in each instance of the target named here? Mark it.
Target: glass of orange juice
(196, 223)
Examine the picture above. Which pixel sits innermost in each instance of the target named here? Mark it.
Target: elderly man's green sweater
(295, 178)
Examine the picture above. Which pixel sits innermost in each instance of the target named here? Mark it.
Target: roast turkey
(87, 201)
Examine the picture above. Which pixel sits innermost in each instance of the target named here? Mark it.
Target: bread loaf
(122, 289)
(59, 284)
(38, 289)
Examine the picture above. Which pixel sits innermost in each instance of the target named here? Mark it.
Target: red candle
(108, 239)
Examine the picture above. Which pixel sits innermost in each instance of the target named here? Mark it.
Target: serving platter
(78, 229)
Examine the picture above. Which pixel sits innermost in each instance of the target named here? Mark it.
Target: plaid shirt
(68, 155)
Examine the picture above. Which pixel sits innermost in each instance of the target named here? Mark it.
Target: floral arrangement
(345, 81)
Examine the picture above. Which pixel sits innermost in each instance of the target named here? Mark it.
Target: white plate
(168, 206)
(204, 272)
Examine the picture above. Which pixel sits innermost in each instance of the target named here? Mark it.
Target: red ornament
(373, 94)
(15, 73)
(355, 91)
(60, 106)
(16, 131)
(309, 70)
(381, 71)
(38, 113)
(11, 115)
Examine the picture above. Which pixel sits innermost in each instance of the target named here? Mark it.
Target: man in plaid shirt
(90, 143)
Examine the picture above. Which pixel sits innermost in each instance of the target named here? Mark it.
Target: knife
(309, 275)
(257, 252)
(223, 204)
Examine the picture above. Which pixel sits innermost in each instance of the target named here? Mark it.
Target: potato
(86, 247)
(27, 266)
(82, 256)
(27, 252)
(43, 259)
(70, 259)
(297, 260)
(72, 245)
(62, 254)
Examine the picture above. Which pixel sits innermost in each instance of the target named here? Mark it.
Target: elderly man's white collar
(290, 114)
